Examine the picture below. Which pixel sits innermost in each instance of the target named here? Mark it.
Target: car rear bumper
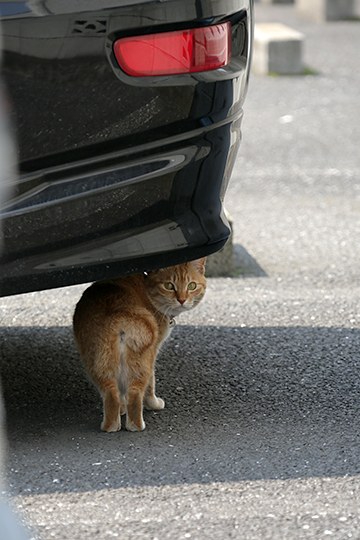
(140, 188)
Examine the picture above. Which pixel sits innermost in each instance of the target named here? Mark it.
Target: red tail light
(172, 53)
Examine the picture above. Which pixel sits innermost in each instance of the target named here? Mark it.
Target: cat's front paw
(154, 403)
(131, 426)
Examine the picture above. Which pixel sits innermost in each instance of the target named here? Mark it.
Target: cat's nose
(181, 300)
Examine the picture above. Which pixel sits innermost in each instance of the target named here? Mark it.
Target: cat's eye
(192, 286)
(169, 286)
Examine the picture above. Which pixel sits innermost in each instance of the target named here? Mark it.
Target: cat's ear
(200, 264)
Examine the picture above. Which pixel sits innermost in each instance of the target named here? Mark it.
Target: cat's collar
(172, 321)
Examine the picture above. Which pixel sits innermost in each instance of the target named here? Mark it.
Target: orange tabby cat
(119, 326)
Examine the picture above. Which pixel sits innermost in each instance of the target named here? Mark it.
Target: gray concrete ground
(260, 437)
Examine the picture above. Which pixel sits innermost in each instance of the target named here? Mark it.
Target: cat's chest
(165, 330)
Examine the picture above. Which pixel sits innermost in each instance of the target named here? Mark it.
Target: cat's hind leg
(134, 416)
(105, 374)
(140, 342)
(139, 377)
(111, 405)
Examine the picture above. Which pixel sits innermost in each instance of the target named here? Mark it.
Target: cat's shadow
(241, 403)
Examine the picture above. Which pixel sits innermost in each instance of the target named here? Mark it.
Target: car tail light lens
(173, 53)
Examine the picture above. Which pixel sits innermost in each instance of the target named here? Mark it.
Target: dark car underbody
(118, 174)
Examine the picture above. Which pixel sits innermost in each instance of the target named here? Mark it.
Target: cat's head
(177, 289)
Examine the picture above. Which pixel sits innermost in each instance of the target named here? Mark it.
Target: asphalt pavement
(260, 436)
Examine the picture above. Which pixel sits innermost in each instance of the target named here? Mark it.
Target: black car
(127, 119)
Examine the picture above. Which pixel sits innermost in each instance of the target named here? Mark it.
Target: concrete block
(276, 1)
(356, 8)
(326, 10)
(232, 260)
(221, 263)
(277, 49)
